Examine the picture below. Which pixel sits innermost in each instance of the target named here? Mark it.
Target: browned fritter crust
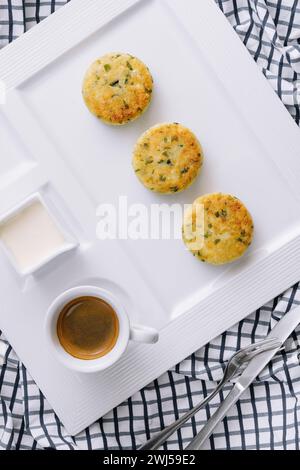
(224, 232)
(117, 88)
(167, 158)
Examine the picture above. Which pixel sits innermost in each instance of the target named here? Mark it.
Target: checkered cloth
(268, 415)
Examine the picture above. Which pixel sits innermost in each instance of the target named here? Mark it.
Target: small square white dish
(30, 230)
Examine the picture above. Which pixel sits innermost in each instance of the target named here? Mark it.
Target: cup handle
(143, 334)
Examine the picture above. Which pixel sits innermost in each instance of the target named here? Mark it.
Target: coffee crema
(88, 327)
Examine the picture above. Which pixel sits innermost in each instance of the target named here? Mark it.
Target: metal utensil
(240, 358)
(280, 332)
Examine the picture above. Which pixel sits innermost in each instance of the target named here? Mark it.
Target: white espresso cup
(138, 333)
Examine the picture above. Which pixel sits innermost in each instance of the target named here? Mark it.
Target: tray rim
(282, 267)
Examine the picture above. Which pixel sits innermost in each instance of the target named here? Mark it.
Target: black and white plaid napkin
(268, 415)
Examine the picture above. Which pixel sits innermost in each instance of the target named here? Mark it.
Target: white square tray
(50, 143)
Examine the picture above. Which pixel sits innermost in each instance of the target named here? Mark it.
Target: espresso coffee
(88, 327)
